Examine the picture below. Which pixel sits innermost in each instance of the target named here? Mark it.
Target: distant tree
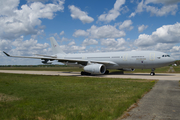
(177, 62)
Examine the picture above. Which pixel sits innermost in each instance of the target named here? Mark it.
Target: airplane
(100, 63)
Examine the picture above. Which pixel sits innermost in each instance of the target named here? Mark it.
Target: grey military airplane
(100, 63)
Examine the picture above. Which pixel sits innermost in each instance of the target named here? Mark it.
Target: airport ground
(162, 102)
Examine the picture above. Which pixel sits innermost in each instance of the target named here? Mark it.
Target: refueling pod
(46, 61)
(95, 68)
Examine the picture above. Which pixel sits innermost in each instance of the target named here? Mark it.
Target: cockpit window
(165, 55)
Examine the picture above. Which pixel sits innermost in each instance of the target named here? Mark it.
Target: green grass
(177, 68)
(45, 68)
(29, 97)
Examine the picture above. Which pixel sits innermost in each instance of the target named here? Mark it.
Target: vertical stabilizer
(55, 47)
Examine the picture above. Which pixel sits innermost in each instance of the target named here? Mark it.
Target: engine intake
(95, 69)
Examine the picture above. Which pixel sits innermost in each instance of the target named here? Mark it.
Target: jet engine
(95, 69)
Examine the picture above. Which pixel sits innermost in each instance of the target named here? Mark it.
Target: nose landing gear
(152, 73)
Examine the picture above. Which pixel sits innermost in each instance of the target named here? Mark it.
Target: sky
(83, 26)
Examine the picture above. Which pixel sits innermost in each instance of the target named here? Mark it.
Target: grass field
(29, 97)
(44, 68)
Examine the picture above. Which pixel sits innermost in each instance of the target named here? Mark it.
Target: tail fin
(55, 47)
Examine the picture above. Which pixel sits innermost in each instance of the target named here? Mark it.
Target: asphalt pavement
(161, 103)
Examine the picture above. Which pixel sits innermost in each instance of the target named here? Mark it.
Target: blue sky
(88, 26)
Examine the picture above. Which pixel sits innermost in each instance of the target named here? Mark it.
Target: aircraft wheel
(152, 73)
(82, 73)
(85, 73)
(88, 73)
(107, 72)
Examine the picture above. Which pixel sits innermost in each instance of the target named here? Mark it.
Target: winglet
(6, 54)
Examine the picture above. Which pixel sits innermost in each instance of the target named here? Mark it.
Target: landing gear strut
(152, 73)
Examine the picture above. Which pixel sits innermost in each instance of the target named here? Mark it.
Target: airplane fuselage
(129, 59)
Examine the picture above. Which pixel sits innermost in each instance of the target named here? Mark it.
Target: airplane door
(125, 57)
(152, 56)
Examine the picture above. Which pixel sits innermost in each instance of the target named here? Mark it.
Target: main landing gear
(107, 72)
(152, 73)
(85, 73)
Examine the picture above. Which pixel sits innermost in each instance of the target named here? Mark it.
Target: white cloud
(113, 13)
(139, 9)
(76, 13)
(29, 1)
(62, 33)
(87, 42)
(140, 6)
(165, 47)
(114, 45)
(15, 22)
(111, 42)
(5, 45)
(163, 11)
(175, 52)
(78, 33)
(106, 31)
(71, 43)
(132, 14)
(142, 28)
(28, 47)
(169, 7)
(126, 25)
(72, 48)
(64, 39)
(164, 34)
(8, 7)
(166, 2)
(175, 49)
(21, 47)
(131, 1)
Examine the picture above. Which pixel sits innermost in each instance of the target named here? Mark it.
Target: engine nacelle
(95, 69)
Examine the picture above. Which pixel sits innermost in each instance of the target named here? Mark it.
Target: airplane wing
(35, 57)
(51, 58)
